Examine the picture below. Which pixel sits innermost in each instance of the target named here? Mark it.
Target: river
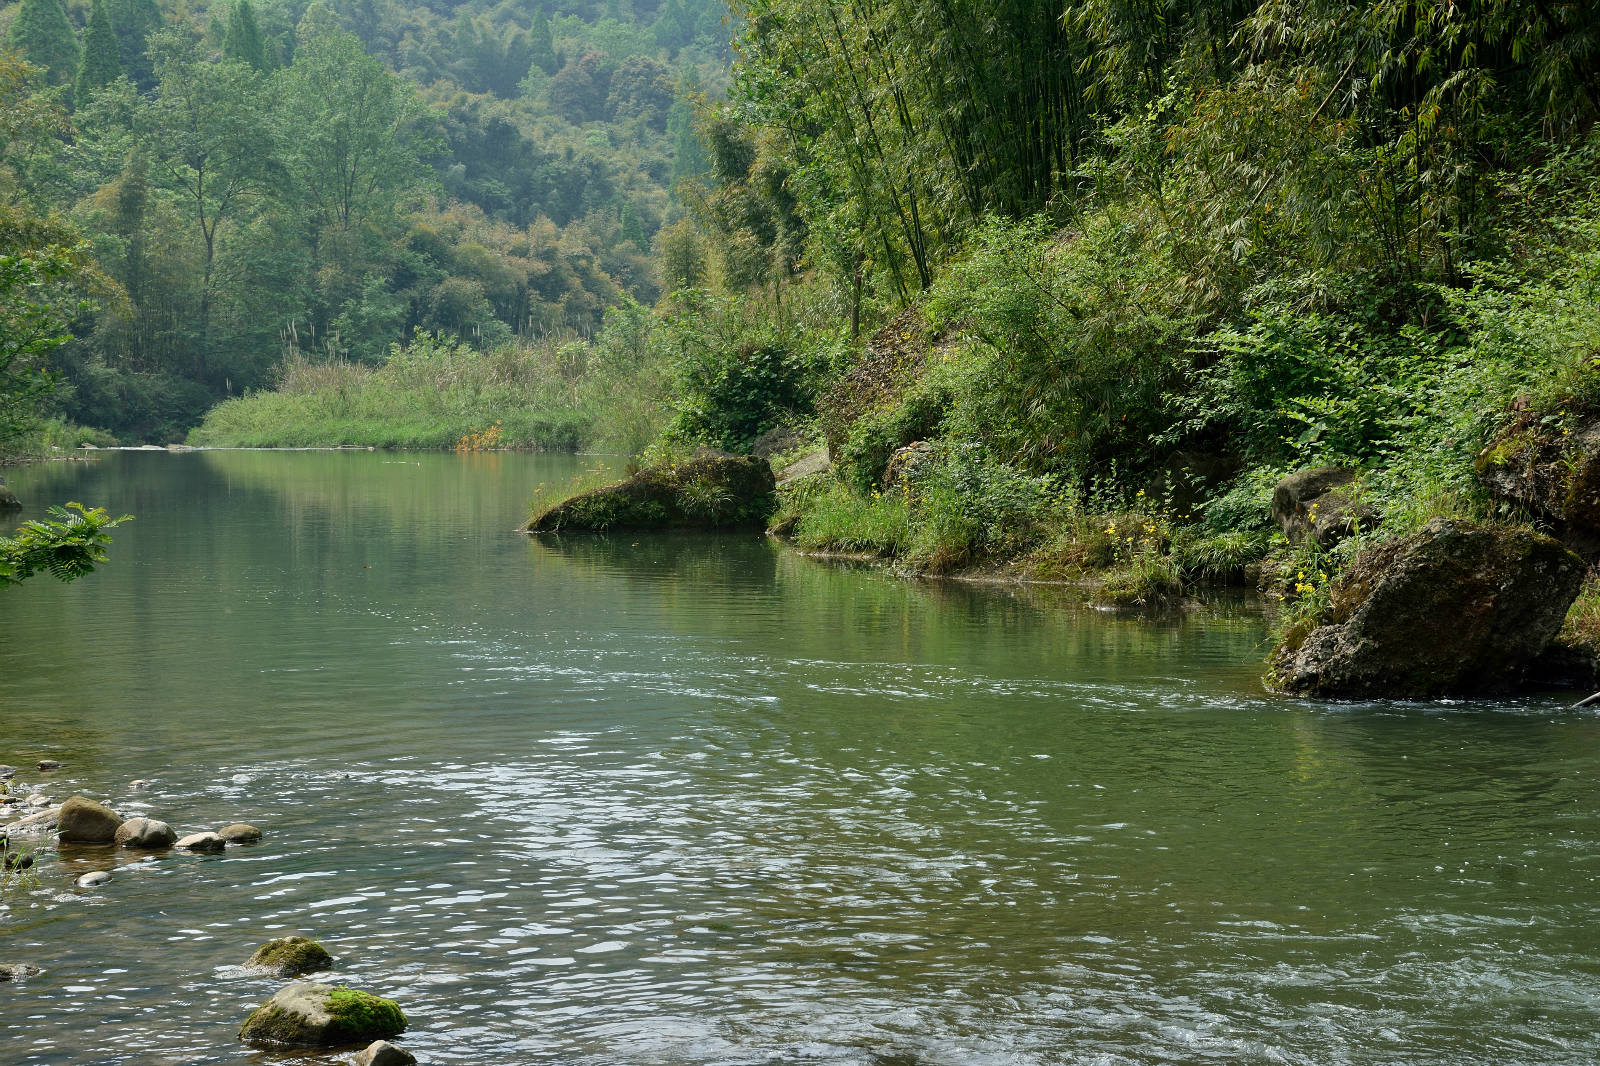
(643, 801)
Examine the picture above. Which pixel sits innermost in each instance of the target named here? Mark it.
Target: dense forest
(1114, 268)
(241, 181)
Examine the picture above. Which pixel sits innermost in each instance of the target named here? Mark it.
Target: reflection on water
(650, 800)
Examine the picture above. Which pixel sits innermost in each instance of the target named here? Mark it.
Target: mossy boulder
(1549, 466)
(714, 492)
(8, 499)
(1453, 609)
(308, 1014)
(290, 956)
(1320, 504)
(83, 821)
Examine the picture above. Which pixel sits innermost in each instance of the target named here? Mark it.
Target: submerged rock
(49, 764)
(83, 821)
(290, 956)
(35, 824)
(383, 1053)
(718, 492)
(8, 499)
(1455, 608)
(7, 772)
(145, 833)
(239, 833)
(1319, 504)
(307, 1014)
(94, 879)
(201, 842)
(16, 971)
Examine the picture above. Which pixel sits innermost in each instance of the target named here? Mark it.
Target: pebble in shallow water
(145, 833)
(49, 764)
(94, 879)
(201, 842)
(383, 1053)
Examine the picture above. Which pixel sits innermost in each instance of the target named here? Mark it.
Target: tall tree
(353, 134)
(42, 34)
(134, 21)
(243, 40)
(100, 65)
(211, 147)
(541, 44)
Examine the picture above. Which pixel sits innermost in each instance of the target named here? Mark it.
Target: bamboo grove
(906, 121)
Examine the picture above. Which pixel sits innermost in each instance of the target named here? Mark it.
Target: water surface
(640, 801)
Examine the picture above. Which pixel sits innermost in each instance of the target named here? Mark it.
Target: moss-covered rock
(1320, 504)
(290, 956)
(719, 492)
(307, 1014)
(1549, 466)
(1454, 608)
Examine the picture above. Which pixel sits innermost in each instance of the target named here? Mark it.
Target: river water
(644, 801)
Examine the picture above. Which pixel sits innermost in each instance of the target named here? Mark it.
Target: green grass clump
(835, 519)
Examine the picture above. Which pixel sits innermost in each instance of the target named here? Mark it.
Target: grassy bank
(436, 394)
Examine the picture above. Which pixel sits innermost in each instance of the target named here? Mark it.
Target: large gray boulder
(308, 1014)
(83, 821)
(147, 833)
(1454, 608)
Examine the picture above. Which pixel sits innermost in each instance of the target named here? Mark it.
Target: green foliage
(68, 545)
(736, 378)
(243, 41)
(831, 518)
(1079, 337)
(430, 393)
(100, 65)
(42, 34)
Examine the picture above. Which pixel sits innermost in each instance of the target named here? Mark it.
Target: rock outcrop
(83, 821)
(1550, 468)
(1454, 608)
(714, 492)
(307, 1014)
(1319, 504)
(147, 833)
(290, 956)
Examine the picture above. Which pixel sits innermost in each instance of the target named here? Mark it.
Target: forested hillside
(259, 179)
(1113, 268)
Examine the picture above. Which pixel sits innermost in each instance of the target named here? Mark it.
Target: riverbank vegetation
(1062, 287)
